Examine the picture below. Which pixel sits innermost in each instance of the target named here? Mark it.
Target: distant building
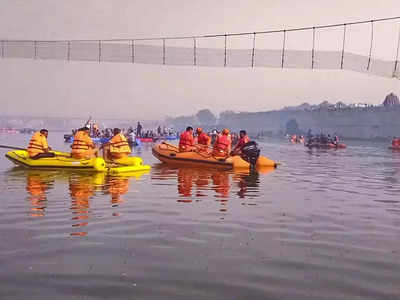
(391, 100)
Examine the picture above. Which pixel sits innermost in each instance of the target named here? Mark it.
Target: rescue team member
(117, 147)
(186, 141)
(222, 145)
(395, 142)
(202, 137)
(38, 147)
(83, 146)
(243, 140)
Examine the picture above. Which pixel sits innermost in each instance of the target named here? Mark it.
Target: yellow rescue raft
(63, 160)
(170, 154)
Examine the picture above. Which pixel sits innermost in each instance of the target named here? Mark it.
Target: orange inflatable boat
(170, 154)
(394, 147)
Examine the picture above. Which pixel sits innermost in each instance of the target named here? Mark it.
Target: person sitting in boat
(38, 147)
(336, 140)
(95, 128)
(243, 140)
(293, 138)
(186, 141)
(117, 147)
(222, 145)
(309, 134)
(202, 138)
(330, 140)
(83, 146)
(324, 139)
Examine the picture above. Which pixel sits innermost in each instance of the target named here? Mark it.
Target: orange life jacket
(186, 140)
(222, 145)
(82, 145)
(37, 144)
(242, 141)
(203, 139)
(119, 144)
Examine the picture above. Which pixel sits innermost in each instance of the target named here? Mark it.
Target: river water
(324, 225)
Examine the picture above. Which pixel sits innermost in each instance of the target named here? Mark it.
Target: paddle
(12, 147)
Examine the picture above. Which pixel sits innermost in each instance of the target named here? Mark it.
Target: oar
(12, 147)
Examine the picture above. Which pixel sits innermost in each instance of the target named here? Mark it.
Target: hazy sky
(57, 88)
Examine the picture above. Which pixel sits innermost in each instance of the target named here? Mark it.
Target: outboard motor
(250, 153)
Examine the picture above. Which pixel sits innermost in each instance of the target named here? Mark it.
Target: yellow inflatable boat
(170, 154)
(63, 160)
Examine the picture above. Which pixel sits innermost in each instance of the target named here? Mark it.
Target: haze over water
(324, 225)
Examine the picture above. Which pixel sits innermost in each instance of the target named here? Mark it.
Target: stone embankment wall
(362, 123)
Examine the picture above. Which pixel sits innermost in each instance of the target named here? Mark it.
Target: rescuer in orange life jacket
(395, 142)
(186, 141)
(83, 146)
(222, 145)
(202, 137)
(203, 140)
(38, 147)
(117, 147)
(244, 139)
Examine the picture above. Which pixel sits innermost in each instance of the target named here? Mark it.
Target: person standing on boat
(38, 147)
(117, 147)
(186, 141)
(222, 145)
(83, 146)
(244, 139)
(131, 137)
(139, 128)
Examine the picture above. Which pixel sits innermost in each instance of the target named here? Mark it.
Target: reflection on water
(324, 225)
(82, 190)
(193, 184)
(196, 183)
(117, 187)
(37, 185)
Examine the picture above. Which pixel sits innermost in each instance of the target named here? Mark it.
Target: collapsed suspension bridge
(366, 46)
